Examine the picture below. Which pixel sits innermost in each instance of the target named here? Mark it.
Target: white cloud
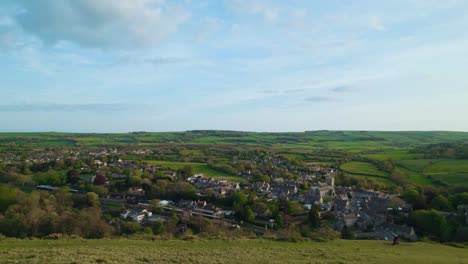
(376, 23)
(7, 39)
(103, 23)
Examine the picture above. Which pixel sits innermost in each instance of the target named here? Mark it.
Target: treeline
(427, 218)
(439, 227)
(443, 150)
(429, 197)
(39, 214)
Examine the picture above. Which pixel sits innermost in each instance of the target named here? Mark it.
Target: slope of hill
(230, 251)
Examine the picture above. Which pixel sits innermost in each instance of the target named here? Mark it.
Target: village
(369, 214)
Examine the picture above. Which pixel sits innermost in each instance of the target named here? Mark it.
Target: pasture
(364, 168)
(305, 146)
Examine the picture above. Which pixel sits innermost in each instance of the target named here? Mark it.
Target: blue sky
(258, 65)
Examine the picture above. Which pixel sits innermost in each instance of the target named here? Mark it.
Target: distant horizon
(252, 65)
(229, 130)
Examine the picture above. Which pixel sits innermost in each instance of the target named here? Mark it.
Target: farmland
(363, 168)
(367, 148)
(352, 141)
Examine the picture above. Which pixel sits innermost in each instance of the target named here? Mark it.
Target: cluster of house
(366, 210)
(136, 215)
(319, 190)
(141, 214)
(202, 208)
(370, 211)
(220, 187)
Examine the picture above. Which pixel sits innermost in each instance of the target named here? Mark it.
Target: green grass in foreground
(225, 251)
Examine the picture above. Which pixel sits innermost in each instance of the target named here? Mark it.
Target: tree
(261, 209)
(7, 197)
(210, 194)
(134, 181)
(398, 178)
(428, 222)
(441, 203)
(346, 233)
(91, 225)
(279, 223)
(101, 191)
(73, 176)
(418, 201)
(239, 198)
(92, 199)
(130, 227)
(459, 199)
(158, 228)
(293, 207)
(248, 214)
(50, 177)
(99, 179)
(186, 172)
(314, 217)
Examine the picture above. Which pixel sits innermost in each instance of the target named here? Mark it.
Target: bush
(131, 227)
(324, 234)
(54, 236)
(148, 231)
(290, 235)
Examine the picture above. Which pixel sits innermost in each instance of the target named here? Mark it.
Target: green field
(309, 147)
(225, 251)
(364, 168)
(448, 166)
(351, 141)
(456, 178)
(448, 171)
(417, 165)
(197, 167)
(377, 178)
(393, 155)
(413, 176)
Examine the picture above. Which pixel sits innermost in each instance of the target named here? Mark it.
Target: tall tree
(314, 217)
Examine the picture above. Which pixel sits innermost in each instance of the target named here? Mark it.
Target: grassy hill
(353, 141)
(225, 251)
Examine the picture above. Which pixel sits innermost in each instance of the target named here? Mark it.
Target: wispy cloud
(166, 60)
(321, 99)
(294, 91)
(342, 89)
(269, 91)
